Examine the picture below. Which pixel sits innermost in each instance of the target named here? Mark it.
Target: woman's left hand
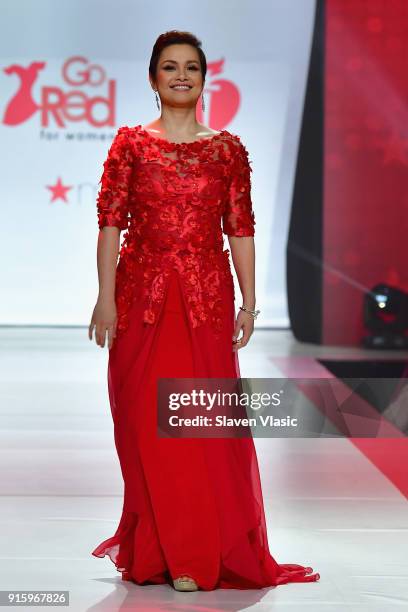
(245, 322)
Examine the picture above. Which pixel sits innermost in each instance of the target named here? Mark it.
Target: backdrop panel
(73, 72)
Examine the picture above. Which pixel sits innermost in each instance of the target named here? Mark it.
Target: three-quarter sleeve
(113, 196)
(238, 218)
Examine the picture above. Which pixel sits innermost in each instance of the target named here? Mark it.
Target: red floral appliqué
(171, 198)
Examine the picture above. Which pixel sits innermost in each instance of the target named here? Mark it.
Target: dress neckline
(171, 144)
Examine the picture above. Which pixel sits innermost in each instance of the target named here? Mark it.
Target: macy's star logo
(59, 190)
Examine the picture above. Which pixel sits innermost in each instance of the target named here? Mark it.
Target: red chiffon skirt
(191, 505)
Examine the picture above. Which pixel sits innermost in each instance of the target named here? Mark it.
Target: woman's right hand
(104, 319)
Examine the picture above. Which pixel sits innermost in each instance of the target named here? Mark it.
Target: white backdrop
(55, 130)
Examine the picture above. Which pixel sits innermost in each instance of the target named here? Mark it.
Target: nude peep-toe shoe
(185, 583)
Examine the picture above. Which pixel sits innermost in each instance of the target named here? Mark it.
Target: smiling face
(179, 78)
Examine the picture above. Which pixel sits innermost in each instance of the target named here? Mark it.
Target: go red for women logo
(71, 103)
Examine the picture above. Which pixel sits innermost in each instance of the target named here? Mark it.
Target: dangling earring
(202, 102)
(157, 99)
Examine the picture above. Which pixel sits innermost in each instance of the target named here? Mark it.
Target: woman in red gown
(192, 507)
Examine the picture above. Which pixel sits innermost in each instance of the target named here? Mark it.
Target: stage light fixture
(386, 316)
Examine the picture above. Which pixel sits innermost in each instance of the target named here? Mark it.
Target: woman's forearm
(107, 257)
(243, 258)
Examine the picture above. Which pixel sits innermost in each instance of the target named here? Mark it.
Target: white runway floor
(327, 505)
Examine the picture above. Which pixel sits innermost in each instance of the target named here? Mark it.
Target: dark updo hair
(171, 38)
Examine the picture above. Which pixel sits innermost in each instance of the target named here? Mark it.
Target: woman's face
(179, 64)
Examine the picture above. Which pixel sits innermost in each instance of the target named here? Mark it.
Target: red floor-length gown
(194, 505)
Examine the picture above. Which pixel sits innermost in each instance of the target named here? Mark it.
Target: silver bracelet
(254, 313)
